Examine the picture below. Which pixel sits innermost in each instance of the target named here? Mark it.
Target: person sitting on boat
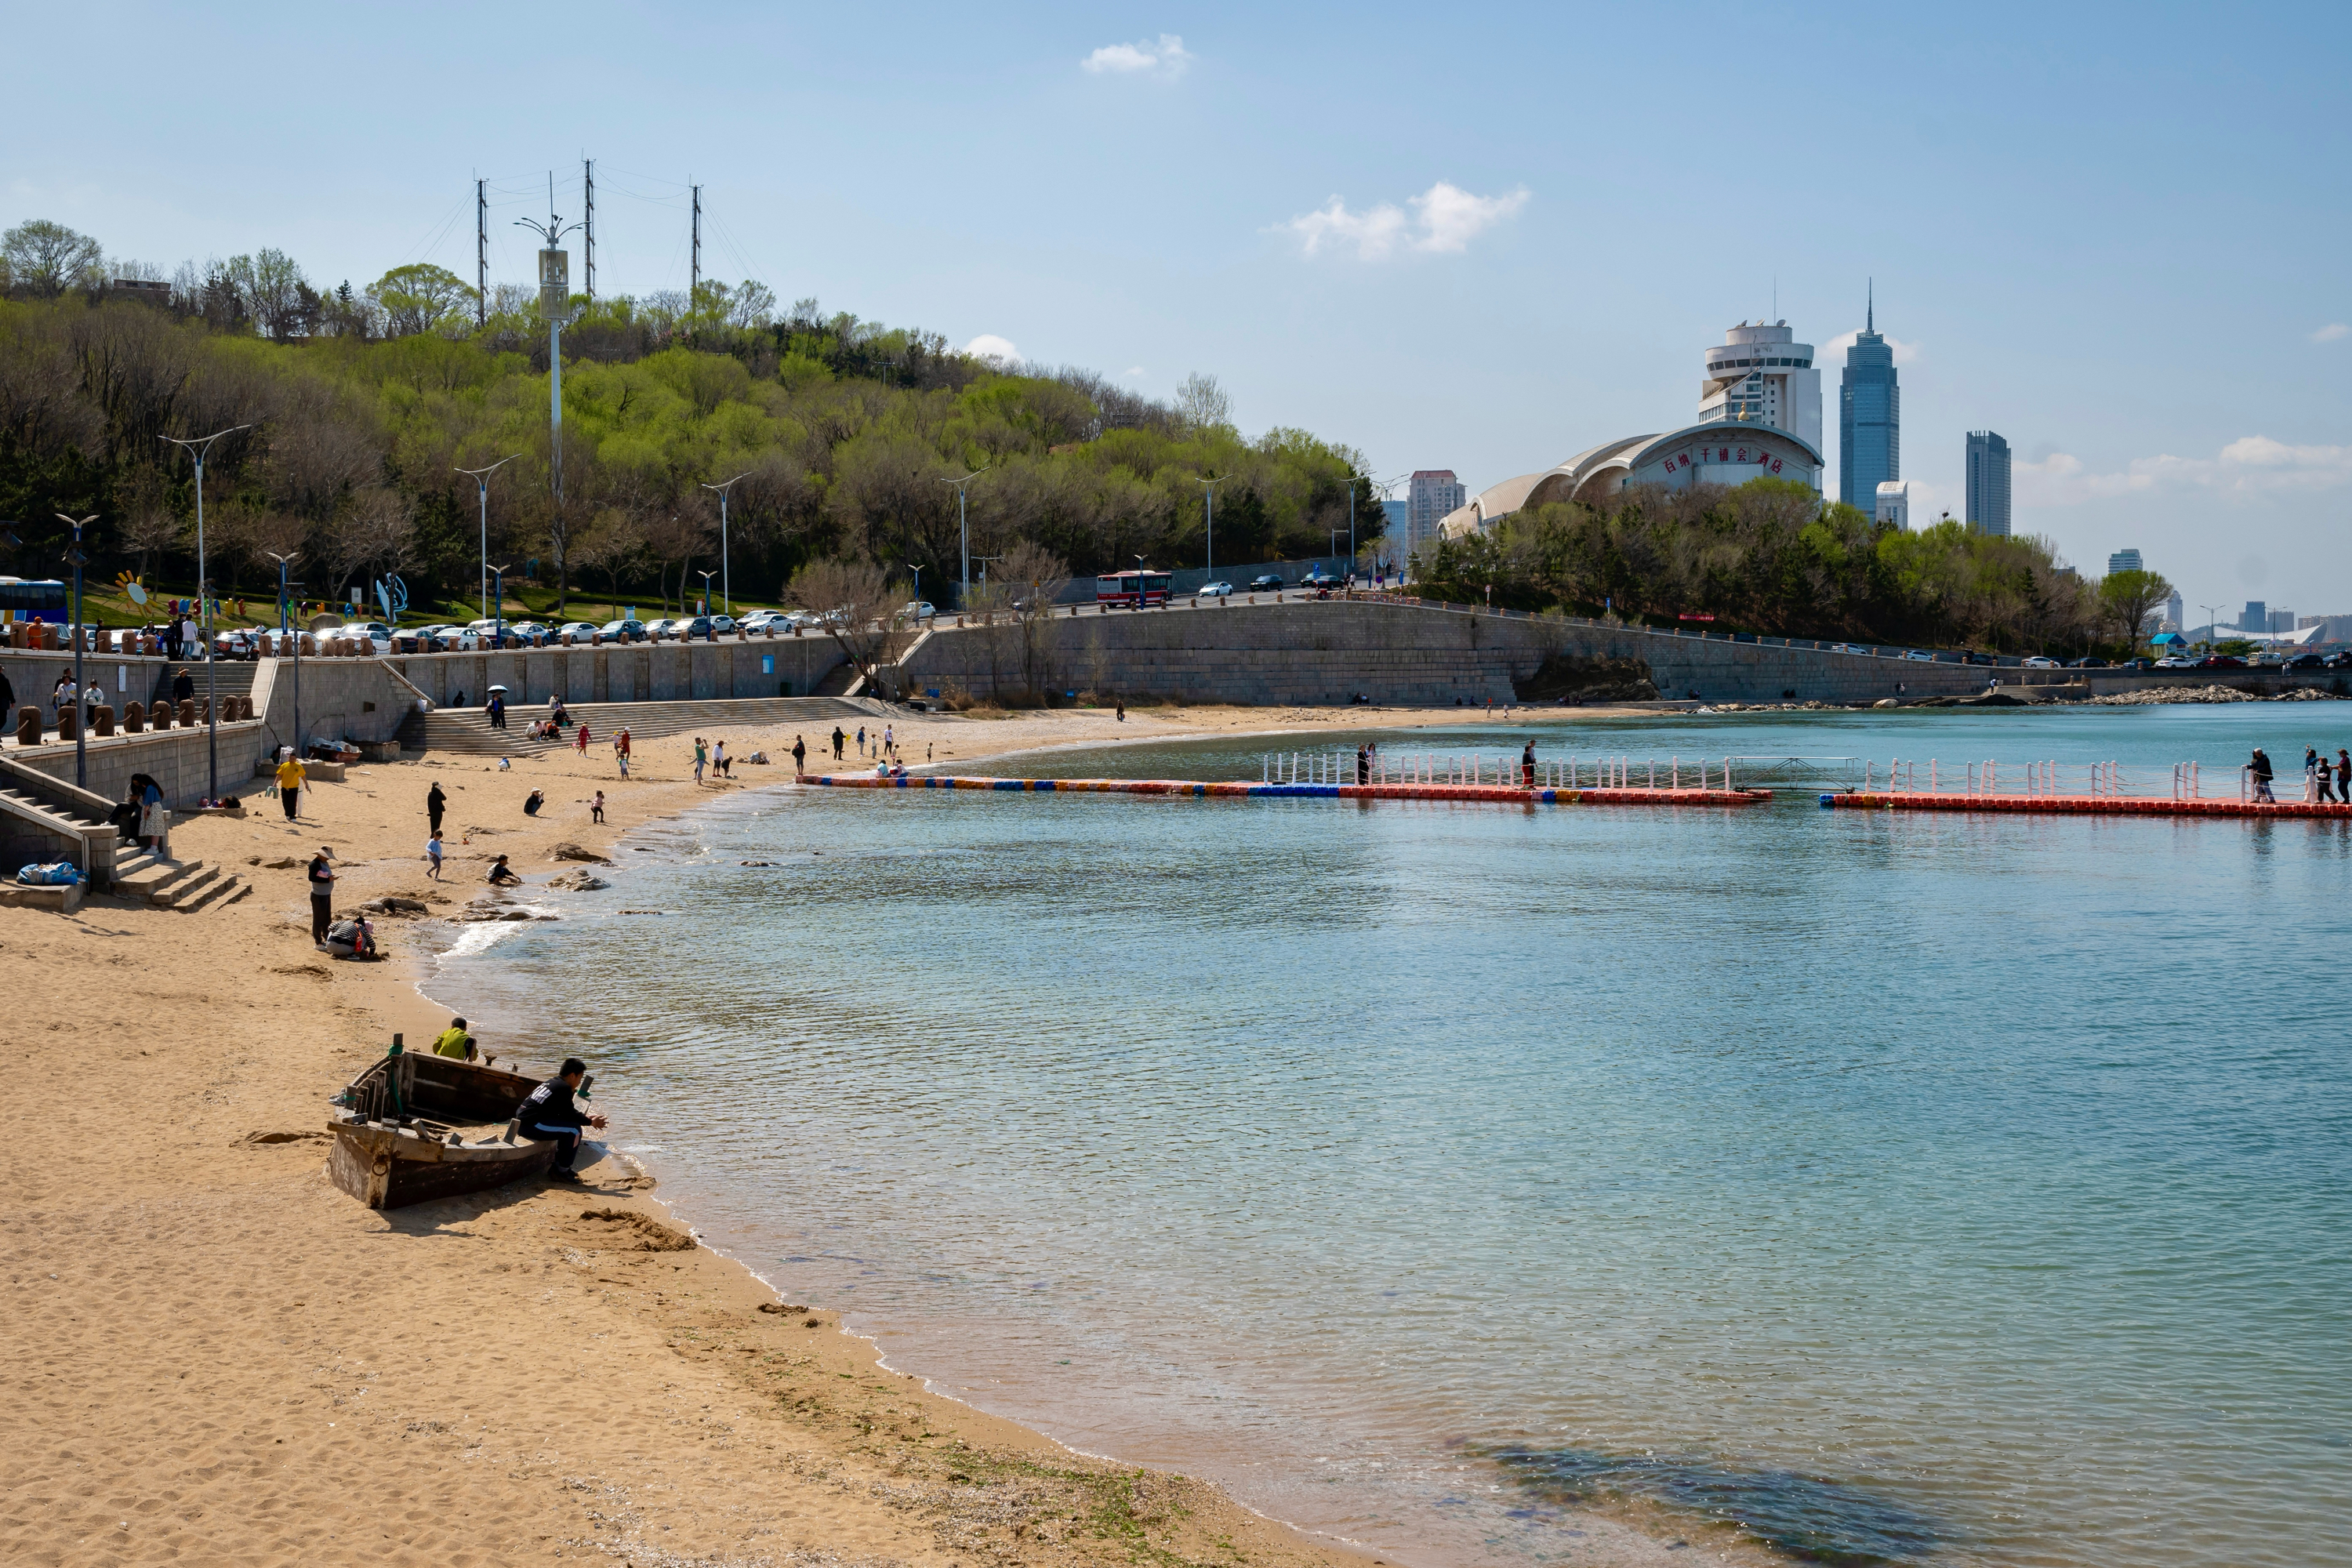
(454, 1041)
(548, 1116)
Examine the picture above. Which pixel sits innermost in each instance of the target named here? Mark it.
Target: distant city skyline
(1336, 267)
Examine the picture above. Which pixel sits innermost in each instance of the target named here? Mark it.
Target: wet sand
(213, 1354)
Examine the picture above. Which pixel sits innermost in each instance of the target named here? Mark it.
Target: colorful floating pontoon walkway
(2083, 805)
(1500, 794)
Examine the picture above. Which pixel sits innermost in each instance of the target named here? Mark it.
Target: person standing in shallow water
(800, 756)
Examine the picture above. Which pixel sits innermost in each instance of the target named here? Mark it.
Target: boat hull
(391, 1167)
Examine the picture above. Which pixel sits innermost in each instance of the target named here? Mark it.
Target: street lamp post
(963, 531)
(481, 478)
(726, 589)
(498, 626)
(706, 577)
(283, 588)
(198, 447)
(1209, 496)
(81, 709)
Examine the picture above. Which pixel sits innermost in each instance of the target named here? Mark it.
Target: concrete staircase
(46, 819)
(186, 886)
(234, 678)
(467, 731)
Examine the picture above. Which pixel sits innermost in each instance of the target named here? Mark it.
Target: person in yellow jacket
(455, 1041)
(291, 775)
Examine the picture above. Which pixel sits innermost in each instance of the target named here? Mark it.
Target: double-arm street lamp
(1210, 498)
(481, 478)
(726, 590)
(199, 448)
(963, 530)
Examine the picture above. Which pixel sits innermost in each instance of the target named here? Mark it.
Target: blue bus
(33, 599)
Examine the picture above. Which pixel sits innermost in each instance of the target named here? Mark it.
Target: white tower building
(1895, 503)
(1763, 376)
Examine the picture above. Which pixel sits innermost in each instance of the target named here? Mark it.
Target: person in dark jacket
(2261, 770)
(436, 803)
(548, 1116)
(184, 687)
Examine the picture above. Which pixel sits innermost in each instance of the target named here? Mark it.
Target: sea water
(1877, 1187)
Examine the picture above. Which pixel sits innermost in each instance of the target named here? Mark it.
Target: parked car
(758, 621)
(573, 632)
(1213, 591)
(722, 625)
(2038, 662)
(1318, 578)
(2175, 661)
(1264, 580)
(662, 626)
(624, 630)
(916, 611)
(2219, 661)
(2086, 664)
(1920, 656)
(2135, 664)
(237, 644)
(530, 634)
(685, 629)
(2337, 661)
(2308, 661)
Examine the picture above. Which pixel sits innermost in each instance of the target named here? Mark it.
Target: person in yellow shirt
(291, 775)
(455, 1041)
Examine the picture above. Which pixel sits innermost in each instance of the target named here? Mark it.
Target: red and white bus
(1136, 590)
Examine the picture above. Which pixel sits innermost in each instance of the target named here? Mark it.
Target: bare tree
(610, 543)
(373, 532)
(148, 525)
(851, 601)
(1202, 403)
(1035, 577)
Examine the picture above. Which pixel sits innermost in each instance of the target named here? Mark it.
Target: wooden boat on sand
(413, 1128)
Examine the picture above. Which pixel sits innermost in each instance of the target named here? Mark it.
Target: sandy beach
(213, 1354)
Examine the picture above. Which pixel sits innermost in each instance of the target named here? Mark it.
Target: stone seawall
(1317, 652)
(631, 672)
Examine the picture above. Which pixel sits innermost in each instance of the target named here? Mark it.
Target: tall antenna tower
(694, 283)
(588, 228)
(482, 253)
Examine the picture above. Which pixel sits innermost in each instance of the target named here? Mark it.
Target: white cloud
(2249, 465)
(1167, 57)
(1904, 354)
(988, 345)
(1134, 370)
(1445, 220)
(2330, 333)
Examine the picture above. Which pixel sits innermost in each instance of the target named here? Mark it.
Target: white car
(1213, 591)
(758, 621)
(663, 626)
(579, 633)
(917, 611)
(2038, 662)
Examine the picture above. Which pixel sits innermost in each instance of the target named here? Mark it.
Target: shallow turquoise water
(1888, 1188)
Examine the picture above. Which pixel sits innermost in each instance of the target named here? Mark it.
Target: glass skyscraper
(1870, 419)
(1988, 482)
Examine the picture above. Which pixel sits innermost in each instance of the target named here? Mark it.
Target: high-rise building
(2123, 561)
(1870, 417)
(1893, 503)
(1432, 494)
(1763, 376)
(1988, 472)
(2281, 621)
(2257, 617)
(2176, 614)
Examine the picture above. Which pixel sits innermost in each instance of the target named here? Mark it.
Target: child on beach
(580, 738)
(701, 758)
(596, 807)
(433, 855)
(620, 751)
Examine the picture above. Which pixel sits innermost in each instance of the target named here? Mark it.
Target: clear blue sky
(2117, 234)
